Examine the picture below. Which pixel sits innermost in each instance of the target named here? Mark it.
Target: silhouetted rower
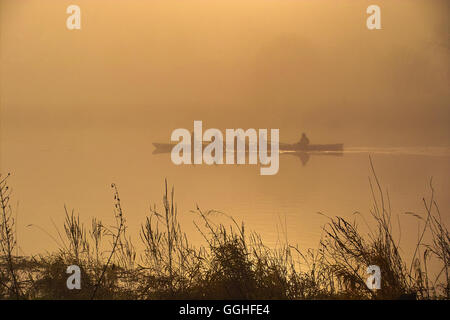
(304, 141)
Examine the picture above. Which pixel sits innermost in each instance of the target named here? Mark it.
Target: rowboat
(302, 149)
(337, 147)
(311, 147)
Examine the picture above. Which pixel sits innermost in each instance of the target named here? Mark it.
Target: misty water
(80, 110)
(289, 206)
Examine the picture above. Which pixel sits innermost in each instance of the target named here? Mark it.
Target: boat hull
(167, 147)
(312, 147)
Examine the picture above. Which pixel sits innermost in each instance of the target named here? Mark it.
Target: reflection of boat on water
(302, 149)
(304, 156)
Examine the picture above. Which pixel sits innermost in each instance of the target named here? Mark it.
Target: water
(76, 170)
(80, 110)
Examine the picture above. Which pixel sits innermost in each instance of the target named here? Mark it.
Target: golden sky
(79, 109)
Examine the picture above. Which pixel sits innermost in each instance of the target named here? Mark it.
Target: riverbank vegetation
(234, 263)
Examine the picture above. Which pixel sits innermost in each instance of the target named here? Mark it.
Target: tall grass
(232, 264)
(8, 277)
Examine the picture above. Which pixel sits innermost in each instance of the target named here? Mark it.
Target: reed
(233, 263)
(8, 277)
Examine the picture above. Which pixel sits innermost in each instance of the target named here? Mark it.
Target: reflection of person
(304, 141)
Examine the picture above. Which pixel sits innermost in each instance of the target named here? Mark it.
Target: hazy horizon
(80, 109)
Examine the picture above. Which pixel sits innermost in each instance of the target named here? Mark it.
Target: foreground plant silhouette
(8, 277)
(233, 264)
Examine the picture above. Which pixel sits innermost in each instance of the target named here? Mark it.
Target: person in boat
(304, 141)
